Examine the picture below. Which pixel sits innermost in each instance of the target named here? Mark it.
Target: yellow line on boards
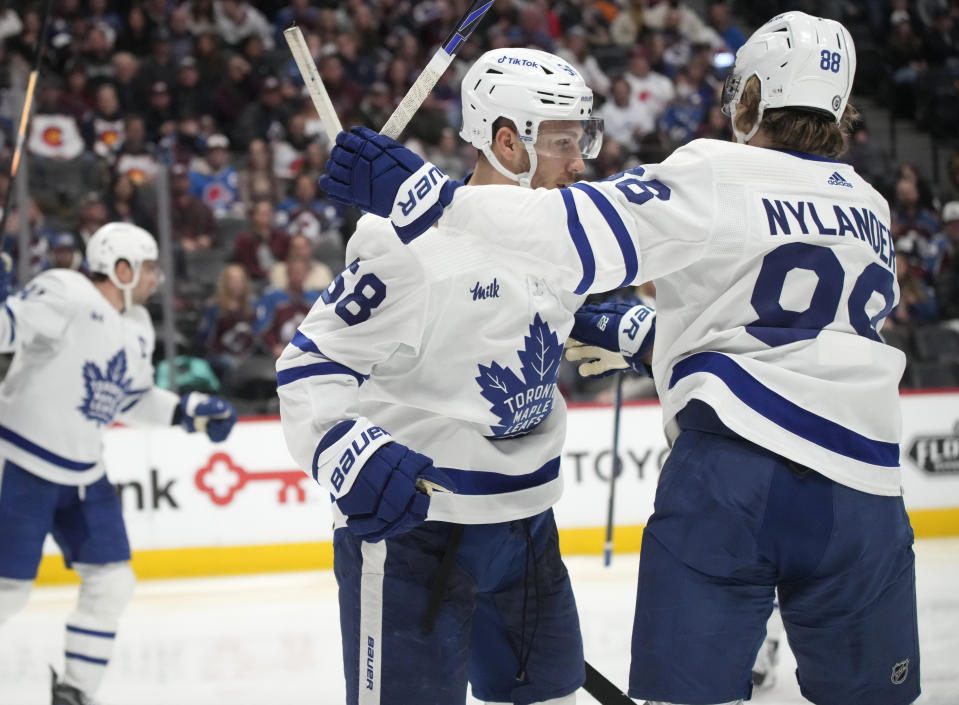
(240, 560)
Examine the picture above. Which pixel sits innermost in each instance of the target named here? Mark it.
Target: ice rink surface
(274, 639)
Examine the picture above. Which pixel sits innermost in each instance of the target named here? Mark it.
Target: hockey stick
(617, 409)
(25, 116)
(314, 84)
(414, 96)
(434, 69)
(601, 688)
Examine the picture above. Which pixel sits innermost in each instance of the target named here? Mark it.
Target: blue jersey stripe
(90, 632)
(304, 343)
(16, 439)
(13, 322)
(784, 413)
(84, 657)
(479, 482)
(318, 368)
(329, 438)
(580, 241)
(616, 224)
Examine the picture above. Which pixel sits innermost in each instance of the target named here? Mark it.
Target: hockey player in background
(774, 270)
(439, 363)
(82, 360)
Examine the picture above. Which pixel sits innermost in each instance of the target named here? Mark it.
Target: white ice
(274, 639)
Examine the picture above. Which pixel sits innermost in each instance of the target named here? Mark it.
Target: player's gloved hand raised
(611, 336)
(380, 175)
(391, 493)
(201, 412)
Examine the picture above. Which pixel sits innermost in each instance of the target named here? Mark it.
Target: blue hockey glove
(200, 412)
(612, 336)
(6, 275)
(384, 499)
(380, 175)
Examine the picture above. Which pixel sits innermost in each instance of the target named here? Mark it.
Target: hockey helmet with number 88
(801, 62)
(528, 87)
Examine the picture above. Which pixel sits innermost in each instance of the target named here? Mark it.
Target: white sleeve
(634, 227)
(155, 406)
(42, 310)
(372, 309)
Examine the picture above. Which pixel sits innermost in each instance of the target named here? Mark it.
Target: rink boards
(194, 508)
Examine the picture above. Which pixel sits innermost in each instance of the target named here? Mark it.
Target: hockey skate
(764, 670)
(63, 694)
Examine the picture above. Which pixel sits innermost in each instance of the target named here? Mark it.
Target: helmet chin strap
(524, 178)
(744, 137)
(127, 288)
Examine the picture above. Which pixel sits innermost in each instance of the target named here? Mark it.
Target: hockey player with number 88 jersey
(438, 363)
(774, 270)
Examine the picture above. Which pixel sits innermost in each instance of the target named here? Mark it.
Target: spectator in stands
(907, 213)
(625, 119)
(947, 280)
(907, 60)
(159, 66)
(298, 12)
(135, 38)
(581, 57)
(346, 93)
(218, 184)
(257, 179)
(376, 107)
(200, 16)
(125, 206)
(97, 54)
(103, 126)
(91, 215)
(63, 252)
(944, 244)
(210, 59)
(76, 99)
(318, 275)
(225, 334)
(280, 311)
(721, 23)
(942, 40)
(686, 111)
(869, 159)
(288, 153)
(234, 91)
(159, 114)
(448, 154)
(237, 19)
(651, 89)
(264, 118)
(190, 97)
(917, 299)
(192, 221)
(258, 249)
(125, 69)
(181, 35)
(683, 23)
(303, 213)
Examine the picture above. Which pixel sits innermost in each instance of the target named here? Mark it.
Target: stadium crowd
(208, 89)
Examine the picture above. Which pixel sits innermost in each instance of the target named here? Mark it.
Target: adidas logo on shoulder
(837, 180)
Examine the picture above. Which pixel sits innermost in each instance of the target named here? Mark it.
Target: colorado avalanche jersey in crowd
(773, 270)
(69, 343)
(451, 351)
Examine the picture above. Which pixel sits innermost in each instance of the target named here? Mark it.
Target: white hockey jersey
(774, 272)
(452, 353)
(78, 365)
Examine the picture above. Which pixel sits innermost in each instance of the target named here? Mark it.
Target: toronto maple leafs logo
(522, 403)
(106, 389)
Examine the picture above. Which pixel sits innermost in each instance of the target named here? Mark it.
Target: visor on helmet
(569, 139)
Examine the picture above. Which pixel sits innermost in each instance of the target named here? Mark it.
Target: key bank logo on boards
(222, 478)
(937, 454)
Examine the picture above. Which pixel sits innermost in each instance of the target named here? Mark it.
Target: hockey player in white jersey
(82, 360)
(439, 363)
(774, 270)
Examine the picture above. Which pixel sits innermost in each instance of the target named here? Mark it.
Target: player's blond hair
(796, 129)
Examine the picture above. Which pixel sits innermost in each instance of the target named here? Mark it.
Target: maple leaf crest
(106, 390)
(521, 403)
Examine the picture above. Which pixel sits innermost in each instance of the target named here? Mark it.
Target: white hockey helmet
(527, 86)
(120, 241)
(801, 62)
